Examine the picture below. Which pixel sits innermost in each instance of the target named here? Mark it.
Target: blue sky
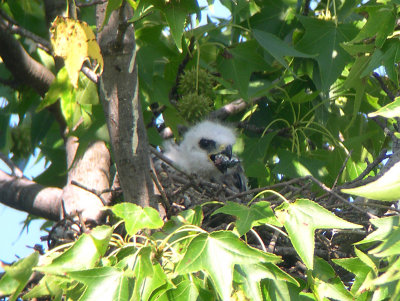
(15, 243)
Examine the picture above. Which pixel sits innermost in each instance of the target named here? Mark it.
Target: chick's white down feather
(191, 158)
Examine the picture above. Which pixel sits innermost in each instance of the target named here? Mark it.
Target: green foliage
(306, 77)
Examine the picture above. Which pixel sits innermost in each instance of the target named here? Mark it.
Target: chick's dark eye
(207, 144)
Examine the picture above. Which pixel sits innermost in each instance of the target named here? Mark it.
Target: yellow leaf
(75, 42)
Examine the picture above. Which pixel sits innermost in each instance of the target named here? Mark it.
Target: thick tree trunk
(120, 99)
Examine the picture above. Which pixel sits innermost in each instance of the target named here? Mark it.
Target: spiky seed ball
(193, 107)
(187, 83)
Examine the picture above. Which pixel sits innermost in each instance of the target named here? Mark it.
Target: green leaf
(176, 12)
(388, 56)
(323, 38)
(380, 24)
(391, 110)
(304, 96)
(384, 227)
(327, 284)
(390, 246)
(301, 219)
(252, 274)
(137, 218)
(277, 48)
(255, 150)
(293, 166)
(16, 277)
(61, 87)
(104, 283)
(216, 254)
(83, 255)
(49, 285)
(185, 290)
(385, 188)
(247, 217)
(146, 286)
(357, 267)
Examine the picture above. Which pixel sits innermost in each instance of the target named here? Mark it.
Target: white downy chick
(206, 150)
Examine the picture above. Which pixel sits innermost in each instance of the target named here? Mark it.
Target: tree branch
(25, 195)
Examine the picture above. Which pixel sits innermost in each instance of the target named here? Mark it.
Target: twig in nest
(168, 161)
(327, 189)
(272, 243)
(271, 187)
(164, 197)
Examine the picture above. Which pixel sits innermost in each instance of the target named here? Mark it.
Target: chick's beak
(227, 151)
(223, 160)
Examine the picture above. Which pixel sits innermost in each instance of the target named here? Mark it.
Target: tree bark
(120, 99)
(25, 195)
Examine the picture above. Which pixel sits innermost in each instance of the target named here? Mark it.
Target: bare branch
(25, 195)
(15, 171)
(13, 27)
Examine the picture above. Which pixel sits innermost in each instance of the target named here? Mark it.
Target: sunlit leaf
(301, 219)
(277, 48)
(252, 274)
(104, 283)
(83, 254)
(247, 217)
(75, 42)
(381, 22)
(327, 284)
(391, 110)
(137, 218)
(16, 277)
(385, 188)
(323, 38)
(216, 254)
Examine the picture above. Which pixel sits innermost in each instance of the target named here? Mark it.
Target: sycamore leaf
(59, 88)
(251, 275)
(387, 56)
(391, 110)
(277, 48)
(357, 267)
(84, 253)
(75, 42)
(390, 246)
(148, 276)
(16, 277)
(176, 12)
(384, 227)
(216, 254)
(380, 24)
(137, 218)
(323, 38)
(247, 217)
(385, 188)
(327, 284)
(301, 219)
(49, 285)
(185, 290)
(104, 283)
